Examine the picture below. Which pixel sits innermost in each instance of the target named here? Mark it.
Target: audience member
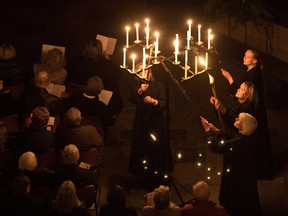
(37, 95)
(70, 169)
(11, 104)
(20, 202)
(253, 74)
(39, 176)
(12, 70)
(67, 202)
(201, 205)
(89, 104)
(238, 172)
(245, 100)
(83, 136)
(116, 203)
(94, 62)
(36, 137)
(162, 204)
(53, 61)
(150, 154)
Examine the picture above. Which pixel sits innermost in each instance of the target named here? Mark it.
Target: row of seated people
(34, 90)
(43, 181)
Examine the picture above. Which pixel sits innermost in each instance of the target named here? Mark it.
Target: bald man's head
(41, 79)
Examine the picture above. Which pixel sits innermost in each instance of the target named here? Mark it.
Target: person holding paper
(150, 154)
(89, 104)
(94, 62)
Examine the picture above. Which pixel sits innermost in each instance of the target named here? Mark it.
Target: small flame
(211, 79)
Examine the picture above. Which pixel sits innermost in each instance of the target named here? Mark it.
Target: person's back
(201, 205)
(116, 204)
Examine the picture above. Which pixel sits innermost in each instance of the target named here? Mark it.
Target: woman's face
(249, 59)
(237, 123)
(241, 93)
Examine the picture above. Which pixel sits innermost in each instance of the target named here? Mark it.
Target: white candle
(189, 27)
(177, 44)
(196, 65)
(143, 67)
(188, 39)
(209, 39)
(186, 64)
(147, 37)
(137, 31)
(124, 57)
(127, 36)
(199, 34)
(206, 62)
(133, 62)
(147, 32)
(156, 43)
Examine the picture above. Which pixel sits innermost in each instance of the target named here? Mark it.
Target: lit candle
(143, 67)
(177, 44)
(147, 32)
(206, 62)
(209, 38)
(156, 43)
(199, 34)
(189, 28)
(186, 64)
(124, 57)
(127, 36)
(211, 81)
(137, 31)
(133, 62)
(147, 37)
(196, 65)
(188, 39)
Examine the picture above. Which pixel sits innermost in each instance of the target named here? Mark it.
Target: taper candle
(199, 34)
(124, 57)
(137, 31)
(209, 38)
(127, 36)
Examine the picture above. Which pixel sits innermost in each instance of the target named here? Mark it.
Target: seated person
(11, 104)
(70, 170)
(162, 204)
(37, 95)
(20, 202)
(37, 137)
(39, 176)
(67, 203)
(201, 205)
(83, 136)
(116, 203)
(89, 104)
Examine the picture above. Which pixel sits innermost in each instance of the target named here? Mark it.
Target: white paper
(55, 89)
(84, 165)
(105, 96)
(47, 47)
(108, 44)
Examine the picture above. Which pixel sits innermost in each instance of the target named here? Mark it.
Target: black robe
(238, 188)
(150, 119)
(264, 156)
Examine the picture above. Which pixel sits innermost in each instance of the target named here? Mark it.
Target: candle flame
(189, 22)
(211, 79)
(133, 56)
(127, 28)
(137, 25)
(202, 61)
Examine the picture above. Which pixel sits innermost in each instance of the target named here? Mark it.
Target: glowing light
(146, 167)
(208, 177)
(200, 155)
(155, 172)
(228, 170)
(208, 168)
(222, 142)
(179, 155)
(153, 137)
(231, 149)
(166, 176)
(144, 161)
(218, 173)
(199, 164)
(209, 141)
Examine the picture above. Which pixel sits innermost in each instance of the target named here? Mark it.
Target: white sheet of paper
(105, 96)
(56, 89)
(47, 47)
(108, 44)
(84, 165)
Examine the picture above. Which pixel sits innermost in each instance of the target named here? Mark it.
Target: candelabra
(151, 53)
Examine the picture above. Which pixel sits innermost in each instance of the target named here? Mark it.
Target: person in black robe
(150, 154)
(239, 171)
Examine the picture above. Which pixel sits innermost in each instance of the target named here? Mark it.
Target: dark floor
(71, 23)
